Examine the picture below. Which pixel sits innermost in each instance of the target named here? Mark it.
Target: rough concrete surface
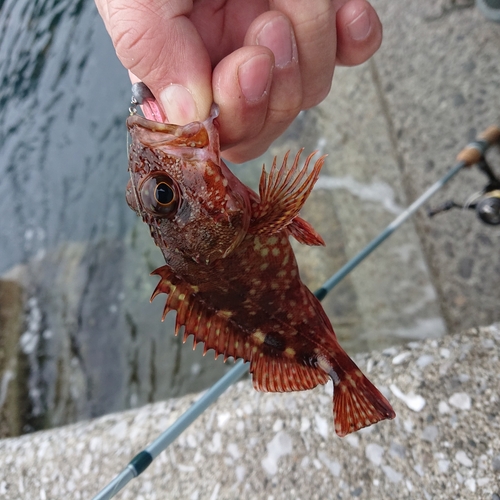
(438, 74)
(443, 444)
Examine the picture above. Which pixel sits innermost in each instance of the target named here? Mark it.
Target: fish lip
(171, 128)
(151, 125)
(156, 134)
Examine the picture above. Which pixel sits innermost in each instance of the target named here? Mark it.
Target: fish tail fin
(357, 403)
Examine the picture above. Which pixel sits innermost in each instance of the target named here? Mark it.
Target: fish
(230, 272)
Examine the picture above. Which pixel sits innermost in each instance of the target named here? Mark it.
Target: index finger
(157, 42)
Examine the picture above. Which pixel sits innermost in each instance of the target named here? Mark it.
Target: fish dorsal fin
(283, 191)
(213, 328)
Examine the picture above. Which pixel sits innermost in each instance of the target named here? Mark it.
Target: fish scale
(231, 275)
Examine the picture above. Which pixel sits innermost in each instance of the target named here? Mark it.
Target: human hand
(261, 66)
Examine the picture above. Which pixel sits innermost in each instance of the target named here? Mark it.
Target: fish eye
(164, 194)
(159, 195)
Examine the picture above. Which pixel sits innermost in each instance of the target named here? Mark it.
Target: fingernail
(254, 76)
(360, 27)
(277, 36)
(179, 105)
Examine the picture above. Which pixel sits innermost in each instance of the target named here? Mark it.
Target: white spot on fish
(443, 407)
(305, 424)
(392, 475)
(233, 450)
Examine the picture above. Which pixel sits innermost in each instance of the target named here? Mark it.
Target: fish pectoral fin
(304, 233)
(275, 374)
(283, 191)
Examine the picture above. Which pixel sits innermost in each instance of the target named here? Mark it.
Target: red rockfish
(230, 270)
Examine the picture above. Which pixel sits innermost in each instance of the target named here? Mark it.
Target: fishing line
(469, 156)
(132, 111)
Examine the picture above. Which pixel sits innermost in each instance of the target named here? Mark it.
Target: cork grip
(470, 155)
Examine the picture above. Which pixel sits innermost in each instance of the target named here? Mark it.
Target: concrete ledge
(445, 442)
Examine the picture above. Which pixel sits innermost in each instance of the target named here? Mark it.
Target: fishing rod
(472, 154)
(486, 203)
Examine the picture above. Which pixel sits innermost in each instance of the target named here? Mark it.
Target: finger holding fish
(274, 105)
(187, 54)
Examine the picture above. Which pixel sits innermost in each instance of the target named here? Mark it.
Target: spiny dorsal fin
(283, 191)
(207, 325)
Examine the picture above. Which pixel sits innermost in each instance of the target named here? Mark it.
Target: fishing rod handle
(473, 152)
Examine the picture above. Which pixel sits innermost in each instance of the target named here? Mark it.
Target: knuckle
(126, 39)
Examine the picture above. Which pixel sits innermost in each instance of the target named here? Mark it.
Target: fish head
(181, 188)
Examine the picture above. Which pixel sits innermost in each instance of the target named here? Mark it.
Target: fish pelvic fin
(283, 192)
(357, 403)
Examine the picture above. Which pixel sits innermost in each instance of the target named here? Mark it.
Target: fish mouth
(152, 131)
(142, 95)
(154, 134)
(154, 126)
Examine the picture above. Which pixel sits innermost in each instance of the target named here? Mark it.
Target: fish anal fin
(272, 374)
(283, 191)
(357, 403)
(304, 233)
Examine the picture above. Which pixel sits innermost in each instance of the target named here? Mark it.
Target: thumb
(156, 42)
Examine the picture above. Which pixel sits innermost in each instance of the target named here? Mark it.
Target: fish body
(230, 271)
